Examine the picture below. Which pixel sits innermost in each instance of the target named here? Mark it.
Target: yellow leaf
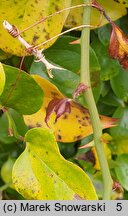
(24, 13)
(111, 7)
(69, 127)
(2, 79)
(107, 152)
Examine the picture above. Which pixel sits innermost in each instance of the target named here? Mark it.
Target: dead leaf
(118, 47)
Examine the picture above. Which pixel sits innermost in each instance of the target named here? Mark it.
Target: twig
(37, 53)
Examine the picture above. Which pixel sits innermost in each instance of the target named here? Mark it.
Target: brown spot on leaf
(65, 116)
(35, 38)
(47, 37)
(56, 7)
(59, 137)
(77, 197)
(95, 78)
(38, 124)
(84, 118)
(34, 156)
(79, 137)
(54, 94)
(84, 124)
(20, 16)
(30, 126)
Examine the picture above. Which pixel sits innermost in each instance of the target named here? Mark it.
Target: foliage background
(109, 81)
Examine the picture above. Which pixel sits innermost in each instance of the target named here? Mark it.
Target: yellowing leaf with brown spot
(42, 173)
(24, 13)
(69, 127)
(113, 9)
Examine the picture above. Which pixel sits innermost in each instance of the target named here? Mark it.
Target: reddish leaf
(59, 106)
(118, 47)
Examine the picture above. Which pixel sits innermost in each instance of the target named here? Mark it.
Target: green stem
(96, 124)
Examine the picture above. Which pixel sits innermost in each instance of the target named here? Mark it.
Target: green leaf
(4, 127)
(111, 100)
(120, 85)
(21, 91)
(68, 55)
(4, 134)
(122, 170)
(119, 144)
(19, 122)
(104, 34)
(6, 171)
(42, 173)
(2, 78)
(109, 67)
(105, 88)
(121, 131)
(64, 54)
(66, 81)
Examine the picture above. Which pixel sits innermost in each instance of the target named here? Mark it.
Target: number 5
(119, 206)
